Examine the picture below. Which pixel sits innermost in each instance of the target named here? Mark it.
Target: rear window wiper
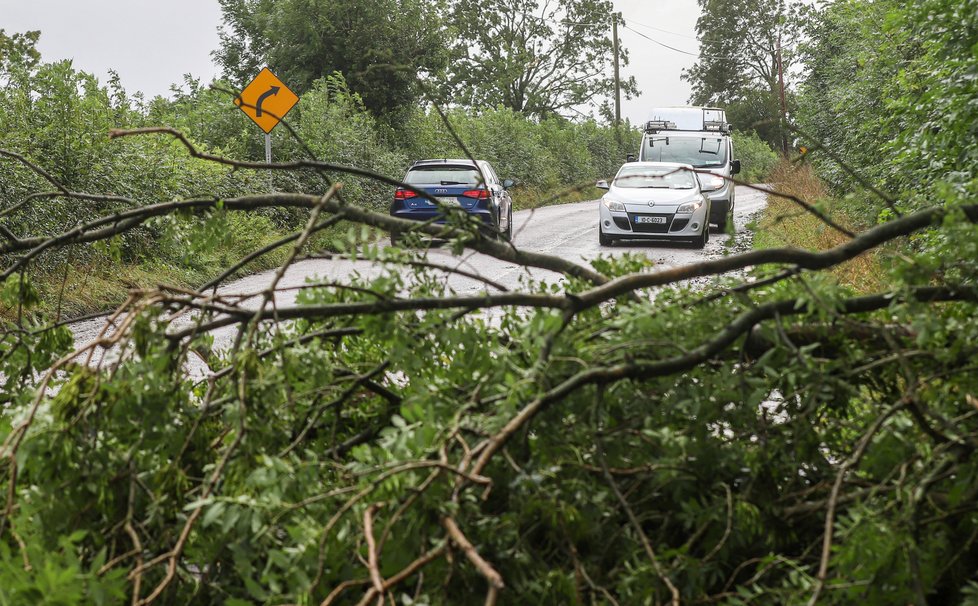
(453, 183)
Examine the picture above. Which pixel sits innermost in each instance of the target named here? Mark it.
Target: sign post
(266, 100)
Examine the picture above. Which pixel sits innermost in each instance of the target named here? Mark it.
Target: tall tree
(740, 47)
(381, 47)
(18, 49)
(538, 57)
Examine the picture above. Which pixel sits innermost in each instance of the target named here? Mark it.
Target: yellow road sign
(266, 100)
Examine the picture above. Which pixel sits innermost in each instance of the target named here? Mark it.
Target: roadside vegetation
(751, 429)
(58, 119)
(783, 224)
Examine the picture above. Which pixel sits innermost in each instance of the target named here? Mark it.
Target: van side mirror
(630, 158)
(735, 167)
(602, 184)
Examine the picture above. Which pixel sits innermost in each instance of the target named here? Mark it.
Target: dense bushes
(891, 90)
(550, 154)
(756, 156)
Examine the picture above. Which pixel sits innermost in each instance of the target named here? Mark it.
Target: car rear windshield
(701, 152)
(665, 178)
(443, 175)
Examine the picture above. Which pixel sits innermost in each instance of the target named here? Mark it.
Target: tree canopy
(18, 49)
(538, 57)
(737, 68)
(534, 57)
(381, 47)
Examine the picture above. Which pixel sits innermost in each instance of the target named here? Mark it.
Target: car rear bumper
(433, 215)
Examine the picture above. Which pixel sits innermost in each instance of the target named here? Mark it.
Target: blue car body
(467, 184)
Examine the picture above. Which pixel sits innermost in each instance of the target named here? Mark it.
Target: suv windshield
(701, 152)
(640, 177)
(443, 175)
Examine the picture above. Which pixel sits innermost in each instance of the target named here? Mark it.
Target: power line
(664, 31)
(696, 55)
(662, 44)
(625, 24)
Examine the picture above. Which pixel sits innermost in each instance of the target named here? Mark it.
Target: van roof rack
(688, 119)
(654, 126)
(715, 126)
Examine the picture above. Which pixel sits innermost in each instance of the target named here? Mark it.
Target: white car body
(654, 201)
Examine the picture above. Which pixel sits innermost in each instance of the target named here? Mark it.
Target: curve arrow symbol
(269, 93)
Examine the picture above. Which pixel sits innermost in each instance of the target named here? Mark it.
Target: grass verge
(784, 224)
(101, 281)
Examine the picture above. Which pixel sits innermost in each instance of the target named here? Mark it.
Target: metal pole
(268, 158)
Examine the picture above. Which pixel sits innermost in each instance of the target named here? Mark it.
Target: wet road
(568, 230)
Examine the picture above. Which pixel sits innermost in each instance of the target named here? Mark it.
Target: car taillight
(478, 194)
(404, 194)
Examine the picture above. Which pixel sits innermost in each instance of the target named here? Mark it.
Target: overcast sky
(153, 43)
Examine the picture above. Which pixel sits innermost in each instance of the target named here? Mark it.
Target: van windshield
(701, 152)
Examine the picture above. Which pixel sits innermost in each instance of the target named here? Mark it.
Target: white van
(700, 137)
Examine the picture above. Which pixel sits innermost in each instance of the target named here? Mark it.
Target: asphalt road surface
(567, 230)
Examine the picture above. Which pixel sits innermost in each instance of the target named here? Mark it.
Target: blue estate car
(471, 185)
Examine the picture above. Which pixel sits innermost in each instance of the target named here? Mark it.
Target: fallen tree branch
(485, 569)
(735, 329)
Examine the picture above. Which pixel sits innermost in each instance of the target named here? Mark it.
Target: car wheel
(704, 237)
(509, 224)
(604, 240)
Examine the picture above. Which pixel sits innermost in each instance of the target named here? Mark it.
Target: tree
(616, 432)
(538, 57)
(382, 47)
(18, 50)
(740, 46)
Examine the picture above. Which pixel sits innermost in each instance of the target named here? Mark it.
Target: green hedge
(756, 156)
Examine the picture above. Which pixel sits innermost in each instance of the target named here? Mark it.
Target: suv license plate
(658, 220)
(448, 201)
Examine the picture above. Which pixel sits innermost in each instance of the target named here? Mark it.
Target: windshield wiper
(452, 183)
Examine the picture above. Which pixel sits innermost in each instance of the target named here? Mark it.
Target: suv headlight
(689, 207)
(710, 182)
(613, 205)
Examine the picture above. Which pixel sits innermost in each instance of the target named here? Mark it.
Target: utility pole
(614, 37)
(784, 107)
